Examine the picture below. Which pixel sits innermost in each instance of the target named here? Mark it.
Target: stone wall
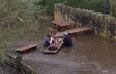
(102, 24)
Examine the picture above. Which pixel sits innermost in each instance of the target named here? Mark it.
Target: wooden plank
(28, 47)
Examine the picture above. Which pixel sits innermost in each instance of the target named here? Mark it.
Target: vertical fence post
(18, 63)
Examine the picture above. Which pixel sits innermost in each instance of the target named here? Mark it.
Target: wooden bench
(74, 31)
(26, 48)
(58, 45)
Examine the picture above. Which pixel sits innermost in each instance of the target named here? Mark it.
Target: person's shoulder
(45, 38)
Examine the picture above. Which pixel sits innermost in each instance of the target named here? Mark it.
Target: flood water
(90, 55)
(96, 48)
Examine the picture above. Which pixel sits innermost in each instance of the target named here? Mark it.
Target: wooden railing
(25, 69)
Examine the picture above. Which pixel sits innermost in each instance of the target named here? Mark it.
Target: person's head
(48, 35)
(65, 33)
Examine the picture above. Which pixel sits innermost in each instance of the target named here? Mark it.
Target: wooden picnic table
(57, 44)
(61, 25)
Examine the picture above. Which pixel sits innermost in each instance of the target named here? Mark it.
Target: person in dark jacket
(67, 40)
(47, 41)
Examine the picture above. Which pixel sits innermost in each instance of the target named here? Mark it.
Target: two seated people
(66, 40)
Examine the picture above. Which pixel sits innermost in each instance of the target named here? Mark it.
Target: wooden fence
(25, 69)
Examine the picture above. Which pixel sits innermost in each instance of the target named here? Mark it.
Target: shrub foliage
(96, 5)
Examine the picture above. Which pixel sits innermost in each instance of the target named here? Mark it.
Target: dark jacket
(46, 42)
(67, 41)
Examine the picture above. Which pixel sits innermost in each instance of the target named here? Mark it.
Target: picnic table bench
(26, 48)
(58, 45)
(61, 25)
(74, 31)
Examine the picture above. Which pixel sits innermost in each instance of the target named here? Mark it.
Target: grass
(14, 38)
(20, 23)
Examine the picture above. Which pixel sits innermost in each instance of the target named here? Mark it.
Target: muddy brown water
(90, 55)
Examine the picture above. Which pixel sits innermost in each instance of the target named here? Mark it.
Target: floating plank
(28, 47)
